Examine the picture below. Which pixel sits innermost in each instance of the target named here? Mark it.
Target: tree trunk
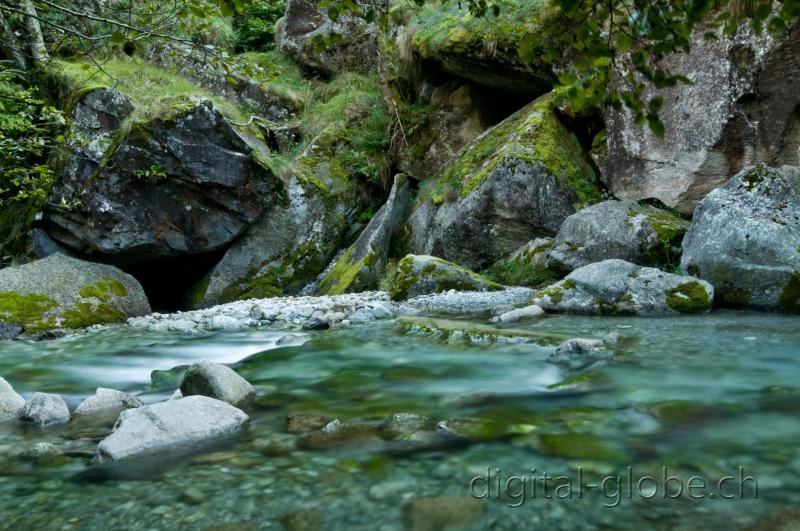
(36, 40)
(10, 44)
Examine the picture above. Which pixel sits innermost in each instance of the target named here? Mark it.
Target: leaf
(117, 37)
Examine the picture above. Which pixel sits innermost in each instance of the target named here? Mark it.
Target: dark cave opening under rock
(169, 282)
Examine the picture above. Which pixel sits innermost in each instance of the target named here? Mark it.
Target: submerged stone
(106, 401)
(43, 409)
(442, 512)
(217, 381)
(175, 424)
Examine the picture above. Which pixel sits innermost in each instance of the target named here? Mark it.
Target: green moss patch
(87, 314)
(31, 311)
(520, 272)
(104, 290)
(689, 297)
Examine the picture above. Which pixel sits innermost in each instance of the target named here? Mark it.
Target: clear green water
(685, 393)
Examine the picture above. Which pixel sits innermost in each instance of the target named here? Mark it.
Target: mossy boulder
(518, 180)
(503, 52)
(360, 268)
(628, 230)
(63, 292)
(420, 275)
(745, 240)
(527, 266)
(615, 287)
(309, 36)
(134, 188)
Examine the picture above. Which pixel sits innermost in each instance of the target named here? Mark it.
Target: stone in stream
(217, 381)
(528, 312)
(11, 403)
(305, 422)
(619, 287)
(442, 512)
(421, 275)
(9, 330)
(44, 409)
(579, 353)
(403, 425)
(170, 425)
(106, 401)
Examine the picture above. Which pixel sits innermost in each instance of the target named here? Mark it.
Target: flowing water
(696, 396)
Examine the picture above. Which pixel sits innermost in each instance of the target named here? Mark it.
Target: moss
(584, 381)
(580, 446)
(104, 289)
(343, 277)
(263, 286)
(556, 291)
(789, 299)
(443, 275)
(86, 314)
(676, 412)
(520, 272)
(30, 311)
(732, 297)
(568, 284)
(689, 297)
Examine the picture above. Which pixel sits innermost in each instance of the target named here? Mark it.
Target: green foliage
(28, 311)
(255, 27)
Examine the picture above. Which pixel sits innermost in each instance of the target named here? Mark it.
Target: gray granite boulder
(64, 292)
(171, 425)
(618, 287)
(217, 381)
(627, 230)
(420, 275)
(11, 403)
(44, 409)
(745, 240)
(106, 401)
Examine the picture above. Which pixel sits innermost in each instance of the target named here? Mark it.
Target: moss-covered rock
(579, 446)
(360, 268)
(420, 275)
(516, 181)
(744, 239)
(628, 230)
(618, 287)
(527, 266)
(63, 292)
(503, 52)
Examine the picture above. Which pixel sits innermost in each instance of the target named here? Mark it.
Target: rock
(449, 126)
(303, 520)
(459, 330)
(182, 182)
(527, 266)
(627, 230)
(305, 422)
(467, 302)
(274, 444)
(740, 109)
(192, 496)
(43, 409)
(360, 268)
(63, 292)
(580, 353)
(288, 246)
(584, 382)
(442, 512)
(354, 46)
(402, 425)
(42, 449)
(619, 287)
(11, 403)
(106, 401)
(518, 180)
(487, 50)
(337, 434)
(421, 275)
(745, 240)
(217, 381)
(169, 425)
(528, 312)
(9, 331)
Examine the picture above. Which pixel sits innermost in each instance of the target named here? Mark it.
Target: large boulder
(527, 266)
(447, 127)
(618, 287)
(171, 425)
(105, 402)
(11, 403)
(217, 381)
(136, 187)
(64, 292)
(740, 109)
(44, 409)
(627, 230)
(745, 240)
(516, 181)
(421, 275)
(289, 245)
(311, 37)
(487, 50)
(361, 266)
